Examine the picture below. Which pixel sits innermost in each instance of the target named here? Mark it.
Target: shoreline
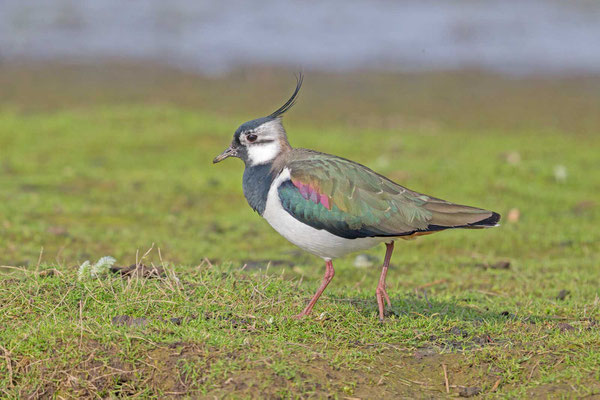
(471, 100)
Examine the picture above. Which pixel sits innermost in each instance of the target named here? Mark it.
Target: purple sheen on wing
(309, 193)
(302, 188)
(314, 196)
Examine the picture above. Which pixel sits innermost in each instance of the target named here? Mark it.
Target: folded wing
(349, 200)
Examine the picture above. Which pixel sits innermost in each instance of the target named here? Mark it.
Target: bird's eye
(251, 137)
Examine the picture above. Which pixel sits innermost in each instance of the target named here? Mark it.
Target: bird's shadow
(422, 305)
(465, 326)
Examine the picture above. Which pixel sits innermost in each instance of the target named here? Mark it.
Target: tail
(446, 215)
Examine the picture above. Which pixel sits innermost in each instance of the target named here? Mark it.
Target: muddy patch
(186, 369)
(200, 370)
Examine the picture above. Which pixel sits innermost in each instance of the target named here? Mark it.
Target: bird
(330, 206)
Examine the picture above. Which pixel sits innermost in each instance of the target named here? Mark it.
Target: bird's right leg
(381, 293)
(329, 273)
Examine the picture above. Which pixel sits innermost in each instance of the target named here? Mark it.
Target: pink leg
(381, 292)
(329, 273)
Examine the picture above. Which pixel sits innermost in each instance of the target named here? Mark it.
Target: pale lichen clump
(101, 267)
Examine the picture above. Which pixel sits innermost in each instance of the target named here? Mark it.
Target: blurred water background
(213, 37)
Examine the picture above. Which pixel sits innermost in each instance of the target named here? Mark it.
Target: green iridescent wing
(349, 200)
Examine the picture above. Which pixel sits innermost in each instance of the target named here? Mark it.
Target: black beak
(229, 152)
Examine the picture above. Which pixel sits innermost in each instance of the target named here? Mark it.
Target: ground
(116, 161)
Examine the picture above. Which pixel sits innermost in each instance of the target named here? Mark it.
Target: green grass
(78, 183)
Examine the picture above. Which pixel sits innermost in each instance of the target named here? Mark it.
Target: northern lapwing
(331, 206)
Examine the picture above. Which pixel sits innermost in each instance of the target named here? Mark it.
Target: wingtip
(489, 222)
(496, 216)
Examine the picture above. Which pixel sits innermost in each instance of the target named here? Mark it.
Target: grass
(119, 178)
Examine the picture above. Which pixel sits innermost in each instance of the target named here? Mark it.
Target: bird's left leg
(329, 273)
(381, 292)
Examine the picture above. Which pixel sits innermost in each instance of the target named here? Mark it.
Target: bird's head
(261, 140)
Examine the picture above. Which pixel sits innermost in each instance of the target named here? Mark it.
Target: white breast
(316, 241)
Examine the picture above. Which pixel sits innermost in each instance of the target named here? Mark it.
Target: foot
(300, 316)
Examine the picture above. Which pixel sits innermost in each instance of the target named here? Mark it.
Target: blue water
(518, 36)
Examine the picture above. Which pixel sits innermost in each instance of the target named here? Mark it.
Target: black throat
(257, 182)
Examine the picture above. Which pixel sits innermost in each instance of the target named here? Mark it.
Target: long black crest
(291, 101)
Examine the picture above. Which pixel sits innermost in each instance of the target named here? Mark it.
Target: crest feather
(291, 101)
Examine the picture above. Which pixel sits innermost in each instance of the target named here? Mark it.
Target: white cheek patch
(261, 153)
